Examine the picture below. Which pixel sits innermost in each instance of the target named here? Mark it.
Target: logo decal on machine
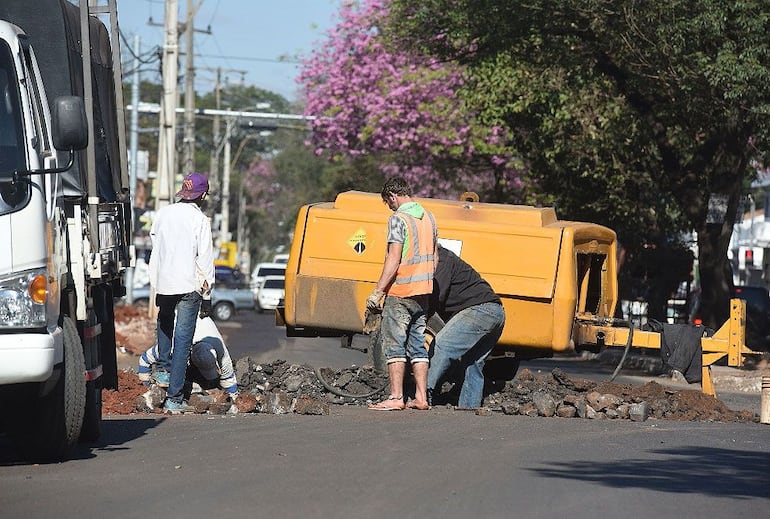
(358, 241)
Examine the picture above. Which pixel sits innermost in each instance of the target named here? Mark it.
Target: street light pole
(225, 227)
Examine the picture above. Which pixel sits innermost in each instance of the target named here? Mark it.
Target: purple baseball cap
(194, 185)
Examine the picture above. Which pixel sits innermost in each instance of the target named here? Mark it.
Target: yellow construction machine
(557, 279)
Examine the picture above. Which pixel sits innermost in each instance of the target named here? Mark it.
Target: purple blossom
(404, 109)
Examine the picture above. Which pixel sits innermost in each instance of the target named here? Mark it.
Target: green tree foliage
(276, 185)
(633, 114)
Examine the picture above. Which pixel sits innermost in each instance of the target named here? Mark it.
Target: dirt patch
(134, 330)
(124, 400)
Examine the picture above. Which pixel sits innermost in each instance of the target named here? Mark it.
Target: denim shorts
(403, 329)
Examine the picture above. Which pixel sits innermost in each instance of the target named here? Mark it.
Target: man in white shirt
(182, 249)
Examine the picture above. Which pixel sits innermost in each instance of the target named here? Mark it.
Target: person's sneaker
(162, 378)
(177, 407)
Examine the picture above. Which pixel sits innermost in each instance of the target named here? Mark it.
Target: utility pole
(214, 168)
(167, 136)
(134, 149)
(189, 94)
(224, 233)
(217, 138)
(167, 160)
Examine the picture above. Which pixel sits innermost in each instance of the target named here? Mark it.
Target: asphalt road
(364, 464)
(360, 463)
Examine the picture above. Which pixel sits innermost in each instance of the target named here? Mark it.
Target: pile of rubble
(276, 387)
(279, 388)
(557, 394)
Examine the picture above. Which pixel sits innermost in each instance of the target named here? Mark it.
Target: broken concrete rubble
(557, 393)
(282, 388)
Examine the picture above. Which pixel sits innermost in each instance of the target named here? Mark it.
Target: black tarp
(680, 347)
(53, 27)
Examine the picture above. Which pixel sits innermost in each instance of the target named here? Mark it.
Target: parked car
(265, 269)
(271, 293)
(225, 301)
(229, 277)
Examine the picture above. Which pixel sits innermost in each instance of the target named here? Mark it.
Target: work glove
(205, 308)
(372, 321)
(375, 301)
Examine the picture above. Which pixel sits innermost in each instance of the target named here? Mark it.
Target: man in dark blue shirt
(474, 319)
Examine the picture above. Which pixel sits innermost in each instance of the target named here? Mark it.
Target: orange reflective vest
(415, 273)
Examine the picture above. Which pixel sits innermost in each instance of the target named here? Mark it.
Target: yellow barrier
(729, 341)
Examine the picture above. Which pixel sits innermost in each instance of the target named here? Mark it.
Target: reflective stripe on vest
(415, 273)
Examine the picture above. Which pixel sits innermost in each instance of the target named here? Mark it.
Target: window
(11, 137)
(274, 283)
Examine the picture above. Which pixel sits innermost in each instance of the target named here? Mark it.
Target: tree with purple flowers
(404, 110)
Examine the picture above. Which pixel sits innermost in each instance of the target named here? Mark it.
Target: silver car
(225, 302)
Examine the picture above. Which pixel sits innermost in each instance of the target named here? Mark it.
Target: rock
(623, 411)
(201, 403)
(546, 405)
(582, 407)
(590, 412)
(566, 411)
(344, 379)
(529, 409)
(294, 382)
(483, 411)
(510, 407)
(151, 399)
(219, 407)
(278, 402)
(525, 375)
(312, 406)
(246, 403)
(638, 412)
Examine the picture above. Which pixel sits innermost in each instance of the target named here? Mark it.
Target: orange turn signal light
(38, 289)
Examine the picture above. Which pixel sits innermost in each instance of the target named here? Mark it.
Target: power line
(249, 58)
(129, 48)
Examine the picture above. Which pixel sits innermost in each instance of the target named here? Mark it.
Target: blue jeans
(177, 315)
(468, 338)
(403, 329)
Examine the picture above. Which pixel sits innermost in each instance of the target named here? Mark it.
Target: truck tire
(223, 311)
(47, 429)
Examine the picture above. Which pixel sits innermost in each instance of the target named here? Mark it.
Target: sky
(247, 40)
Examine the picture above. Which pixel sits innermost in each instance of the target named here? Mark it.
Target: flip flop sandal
(393, 403)
(412, 404)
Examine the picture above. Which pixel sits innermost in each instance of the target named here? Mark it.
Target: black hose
(341, 393)
(625, 351)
